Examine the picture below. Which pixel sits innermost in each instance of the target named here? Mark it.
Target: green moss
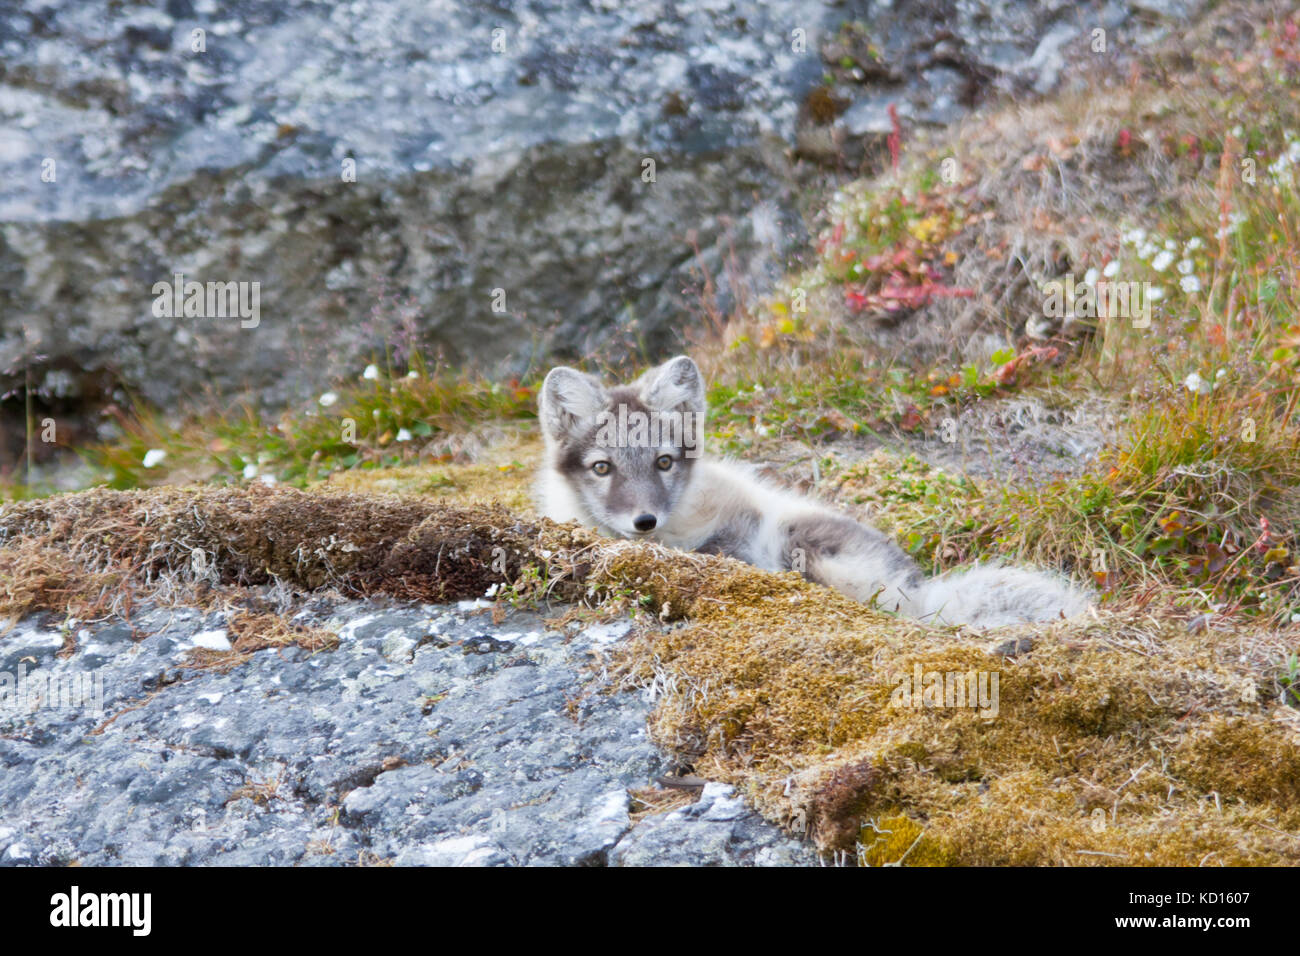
(395, 418)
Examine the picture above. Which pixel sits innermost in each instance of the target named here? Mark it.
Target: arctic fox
(628, 461)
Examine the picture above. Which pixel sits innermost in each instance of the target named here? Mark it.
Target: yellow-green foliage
(506, 476)
(1183, 501)
(391, 418)
(897, 840)
(1111, 713)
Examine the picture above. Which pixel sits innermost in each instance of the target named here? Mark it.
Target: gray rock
(717, 830)
(500, 209)
(937, 59)
(429, 736)
(29, 649)
(397, 646)
(494, 147)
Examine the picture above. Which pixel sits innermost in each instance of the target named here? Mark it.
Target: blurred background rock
(499, 152)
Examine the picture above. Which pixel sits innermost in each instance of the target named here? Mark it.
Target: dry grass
(1039, 191)
(35, 576)
(261, 789)
(413, 548)
(650, 801)
(250, 632)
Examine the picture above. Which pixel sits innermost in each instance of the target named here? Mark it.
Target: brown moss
(823, 106)
(250, 632)
(36, 577)
(843, 798)
(366, 543)
(1244, 758)
(799, 708)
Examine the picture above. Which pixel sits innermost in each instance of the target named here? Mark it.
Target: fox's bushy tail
(991, 595)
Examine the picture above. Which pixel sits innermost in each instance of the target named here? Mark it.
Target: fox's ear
(569, 403)
(677, 385)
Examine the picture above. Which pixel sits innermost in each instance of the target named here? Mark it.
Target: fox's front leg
(853, 558)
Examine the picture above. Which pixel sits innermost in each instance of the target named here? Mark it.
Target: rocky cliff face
(529, 175)
(494, 181)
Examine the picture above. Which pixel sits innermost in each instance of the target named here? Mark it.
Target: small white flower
(1156, 292)
(1221, 374)
(412, 374)
(1161, 262)
(1234, 222)
(1170, 245)
(1112, 267)
(1189, 284)
(1194, 383)
(1090, 277)
(1186, 266)
(250, 472)
(267, 479)
(492, 590)
(328, 399)
(1135, 236)
(403, 435)
(371, 373)
(1193, 244)
(1146, 250)
(153, 457)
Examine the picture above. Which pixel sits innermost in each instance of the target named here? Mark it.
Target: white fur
(993, 595)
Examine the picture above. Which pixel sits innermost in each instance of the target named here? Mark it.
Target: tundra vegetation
(916, 340)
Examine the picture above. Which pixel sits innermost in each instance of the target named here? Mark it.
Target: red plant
(895, 294)
(895, 140)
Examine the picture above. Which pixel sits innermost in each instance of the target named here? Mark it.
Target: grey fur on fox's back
(626, 460)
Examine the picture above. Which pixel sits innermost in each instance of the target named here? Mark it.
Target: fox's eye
(664, 462)
(601, 467)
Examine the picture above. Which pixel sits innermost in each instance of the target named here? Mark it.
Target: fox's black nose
(645, 522)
